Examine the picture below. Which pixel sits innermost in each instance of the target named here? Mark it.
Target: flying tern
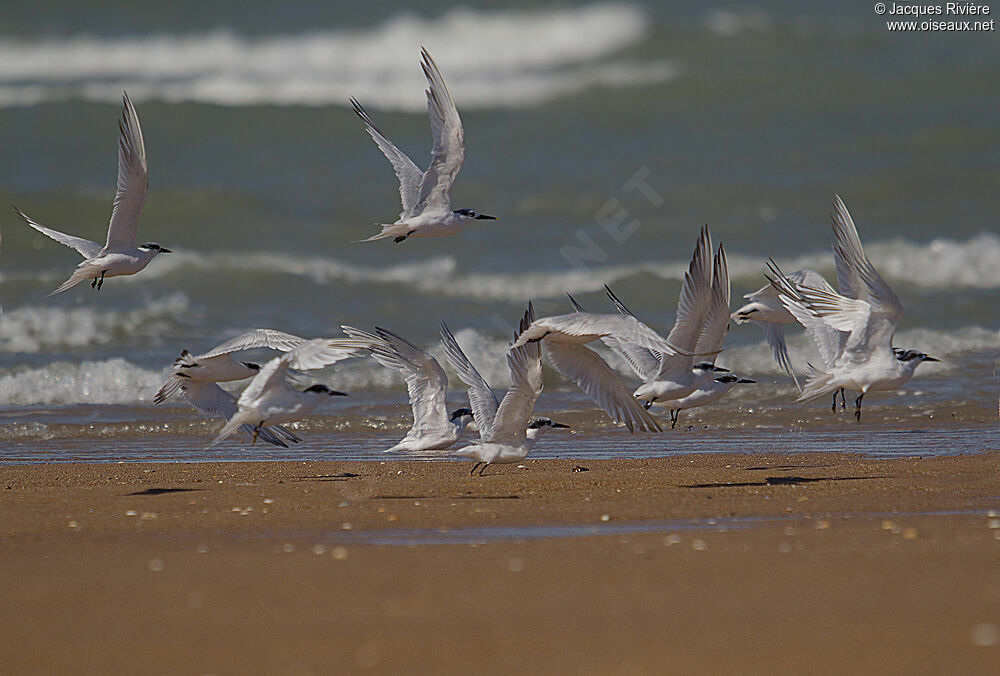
(426, 195)
(270, 400)
(707, 393)
(218, 365)
(209, 398)
(866, 310)
(121, 255)
(434, 428)
(506, 436)
(767, 310)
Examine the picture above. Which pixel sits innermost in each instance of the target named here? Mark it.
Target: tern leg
(647, 404)
(843, 399)
(673, 417)
(833, 408)
(857, 406)
(256, 431)
(402, 237)
(474, 468)
(100, 281)
(485, 465)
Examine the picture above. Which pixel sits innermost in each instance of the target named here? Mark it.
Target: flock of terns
(852, 326)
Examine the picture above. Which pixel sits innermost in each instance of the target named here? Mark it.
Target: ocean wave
(119, 381)
(113, 381)
(520, 58)
(941, 264)
(34, 329)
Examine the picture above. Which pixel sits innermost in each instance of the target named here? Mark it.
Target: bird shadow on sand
(343, 476)
(782, 481)
(162, 491)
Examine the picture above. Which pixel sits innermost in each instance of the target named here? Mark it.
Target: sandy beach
(818, 563)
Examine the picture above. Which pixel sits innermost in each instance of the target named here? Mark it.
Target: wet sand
(818, 563)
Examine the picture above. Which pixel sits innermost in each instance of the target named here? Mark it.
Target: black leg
(93, 284)
(485, 465)
(474, 468)
(100, 282)
(833, 409)
(647, 404)
(399, 239)
(673, 417)
(843, 399)
(857, 406)
(256, 431)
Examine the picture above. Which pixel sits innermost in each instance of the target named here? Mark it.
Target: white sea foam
(114, 381)
(45, 328)
(518, 58)
(941, 264)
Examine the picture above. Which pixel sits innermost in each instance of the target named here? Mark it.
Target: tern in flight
(434, 428)
(866, 310)
(505, 433)
(270, 400)
(120, 255)
(426, 195)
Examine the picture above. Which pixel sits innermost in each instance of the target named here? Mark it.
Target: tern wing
(409, 174)
(592, 375)
(211, 399)
(695, 298)
(482, 399)
(586, 326)
(716, 327)
(774, 333)
(448, 152)
(133, 181)
(426, 381)
(320, 352)
(851, 259)
(256, 338)
(644, 362)
(84, 247)
(525, 364)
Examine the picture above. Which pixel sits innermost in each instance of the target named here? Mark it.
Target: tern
(120, 255)
(565, 337)
(767, 310)
(505, 434)
(707, 393)
(209, 398)
(434, 428)
(866, 310)
(218, 365)
(270, 400)
(426, 195)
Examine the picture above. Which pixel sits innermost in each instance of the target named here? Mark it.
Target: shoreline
(820, 562)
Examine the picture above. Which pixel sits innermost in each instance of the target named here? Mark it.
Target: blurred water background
(261, 178)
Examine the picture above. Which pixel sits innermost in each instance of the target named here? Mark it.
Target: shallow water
(261, 178)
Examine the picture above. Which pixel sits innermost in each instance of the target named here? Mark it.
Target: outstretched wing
(448, 152)
(716, 327)
(133, 181)
(600, 382)
(256, 338)
(695, 298)
(644, 362)
(84, 247)
(482, 399)
(525, 365)
(426, 381)
(409, 174)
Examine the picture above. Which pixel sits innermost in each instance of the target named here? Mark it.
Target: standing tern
(218, 366)
(120, 255)
(866, 310)
(270, 400)
(427, 386)
(426, 195)
(505, 434)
